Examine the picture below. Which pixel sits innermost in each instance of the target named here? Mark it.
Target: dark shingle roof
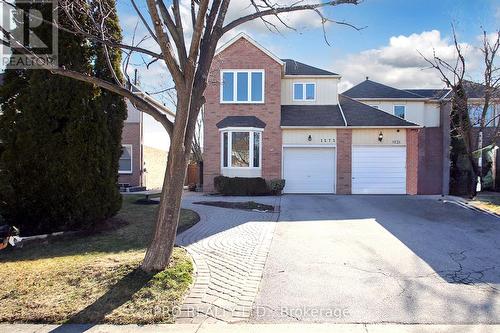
(293, 67)
(371, 89)
(311, 115)
(360, 114)
(476, 90)
(241, 121)
(355, 113)
(430, 93)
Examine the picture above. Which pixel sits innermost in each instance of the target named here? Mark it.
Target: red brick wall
(430, 165)
(344, 161)
(412, 158)
(243, 55)
(132, 135)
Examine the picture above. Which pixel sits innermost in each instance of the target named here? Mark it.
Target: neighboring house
(155, 164)
(140, 167)
(278, 118)
(132, 159)
(429, 108)
(425, 108)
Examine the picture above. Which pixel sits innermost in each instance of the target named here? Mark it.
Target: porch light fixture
(309, 138)
(380, 137)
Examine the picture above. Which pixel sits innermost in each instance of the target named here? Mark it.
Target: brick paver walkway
(229, 248)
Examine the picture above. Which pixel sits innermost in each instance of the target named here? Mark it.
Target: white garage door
(379, 170)
(309, 170)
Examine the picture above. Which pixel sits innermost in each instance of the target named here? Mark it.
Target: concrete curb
(257, 328)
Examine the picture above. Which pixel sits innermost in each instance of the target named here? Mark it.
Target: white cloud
(400, 63)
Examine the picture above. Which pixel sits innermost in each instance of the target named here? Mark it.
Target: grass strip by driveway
(488, 202)
(95, 279)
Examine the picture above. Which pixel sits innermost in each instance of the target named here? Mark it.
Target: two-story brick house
(278, 118)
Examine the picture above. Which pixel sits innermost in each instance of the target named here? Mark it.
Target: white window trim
(303, 92)
(394, 110)
(235, 86)
(229, 131)
(128, 172)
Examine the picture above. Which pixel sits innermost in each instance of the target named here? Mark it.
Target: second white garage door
(309, 170)
(379, 170)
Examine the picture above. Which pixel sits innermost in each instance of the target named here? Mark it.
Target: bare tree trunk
(167, 220)
(160, 249)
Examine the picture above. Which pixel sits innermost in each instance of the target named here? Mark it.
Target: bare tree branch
(275, 10)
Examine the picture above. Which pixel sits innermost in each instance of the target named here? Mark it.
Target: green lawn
(95, 278)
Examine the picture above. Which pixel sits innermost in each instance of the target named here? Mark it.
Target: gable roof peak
(251, 41)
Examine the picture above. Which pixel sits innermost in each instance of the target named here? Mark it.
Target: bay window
(241, 148)
(242, 86)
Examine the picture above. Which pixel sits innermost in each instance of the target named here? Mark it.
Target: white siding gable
(326, 90)
(419, 112)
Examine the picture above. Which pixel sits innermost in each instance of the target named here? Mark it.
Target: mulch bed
(146, 202)
(248, 205)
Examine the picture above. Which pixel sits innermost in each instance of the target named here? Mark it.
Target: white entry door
(379, 170)
(309, 169)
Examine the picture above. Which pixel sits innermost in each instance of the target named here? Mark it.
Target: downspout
(342, 113)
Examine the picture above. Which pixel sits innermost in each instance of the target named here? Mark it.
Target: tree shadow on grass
(115, 297)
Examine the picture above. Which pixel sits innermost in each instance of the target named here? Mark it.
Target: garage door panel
(379, 170)
(309, 170)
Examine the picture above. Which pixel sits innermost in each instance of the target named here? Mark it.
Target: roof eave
(354, 127)
(317, 76)
(423, 99)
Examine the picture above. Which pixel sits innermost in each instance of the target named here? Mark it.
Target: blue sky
(387, 49)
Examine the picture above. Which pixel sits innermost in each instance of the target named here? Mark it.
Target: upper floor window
(400, 111)
(304, 91)
(242, 86)
(476, 115)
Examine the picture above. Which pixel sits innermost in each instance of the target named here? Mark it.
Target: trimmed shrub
(241, 186)
(276, 186)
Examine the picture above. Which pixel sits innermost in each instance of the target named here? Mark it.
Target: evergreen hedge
(59, 144)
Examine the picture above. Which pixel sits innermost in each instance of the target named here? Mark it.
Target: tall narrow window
(242, 87)
(228, 87)
(225, 146)
(310, 92)
(257, 84)
(240, 156)
(125, 163)
(256, 149)
(400, 111)
(298, 91)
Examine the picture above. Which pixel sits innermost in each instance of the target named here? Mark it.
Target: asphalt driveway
(372, 259)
